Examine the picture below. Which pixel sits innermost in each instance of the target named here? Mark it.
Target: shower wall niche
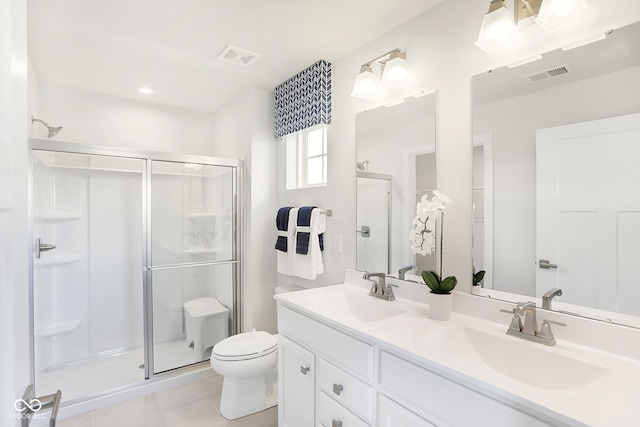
(136, 237)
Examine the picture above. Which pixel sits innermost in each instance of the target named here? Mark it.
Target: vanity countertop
(571, 382)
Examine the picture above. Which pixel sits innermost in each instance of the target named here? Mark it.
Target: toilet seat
(245, 346)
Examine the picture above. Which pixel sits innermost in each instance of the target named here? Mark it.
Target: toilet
(206, 323)
(249, 364)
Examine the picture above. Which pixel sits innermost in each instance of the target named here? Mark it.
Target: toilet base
(246, 396)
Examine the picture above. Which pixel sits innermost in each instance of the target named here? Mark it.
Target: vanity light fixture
(498, 29)
(501, 23)
(556, 13)
(367, 83)
(395, 73)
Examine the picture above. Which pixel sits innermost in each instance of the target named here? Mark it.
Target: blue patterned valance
(304, 100)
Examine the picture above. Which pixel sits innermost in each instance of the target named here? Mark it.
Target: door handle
(304, 369)
(365, 231)
(544, 263)
(40, 247)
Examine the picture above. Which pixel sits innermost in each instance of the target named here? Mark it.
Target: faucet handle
(516, 322)
(545, 330)
(553, 322)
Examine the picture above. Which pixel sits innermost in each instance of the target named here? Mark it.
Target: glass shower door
(87, 280)
(192, 260)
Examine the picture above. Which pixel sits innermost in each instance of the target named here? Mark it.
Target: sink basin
(344, 303)
(523, 361)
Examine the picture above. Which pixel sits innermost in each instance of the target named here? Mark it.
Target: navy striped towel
(282, 223)
(302, 238)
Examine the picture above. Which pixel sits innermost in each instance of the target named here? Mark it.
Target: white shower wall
(92, 302)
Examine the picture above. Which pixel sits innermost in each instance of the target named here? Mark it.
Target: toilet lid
(246, 344)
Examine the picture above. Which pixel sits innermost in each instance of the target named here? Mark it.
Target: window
(307, 158)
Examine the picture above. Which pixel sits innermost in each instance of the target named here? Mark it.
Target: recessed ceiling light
(145, 90)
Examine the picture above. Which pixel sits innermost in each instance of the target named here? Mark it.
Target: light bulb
(366, 84)
(396, 71)
(556, 13)
(498, 31)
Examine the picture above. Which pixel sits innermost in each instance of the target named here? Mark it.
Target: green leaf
(432, 280)
(447, 284)
(478, 277)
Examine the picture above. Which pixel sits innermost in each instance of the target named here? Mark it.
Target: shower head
(53, 131)
(362, 166)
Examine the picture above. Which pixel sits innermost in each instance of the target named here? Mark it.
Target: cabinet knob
(337, 388)
(304, 369)
(336, 423)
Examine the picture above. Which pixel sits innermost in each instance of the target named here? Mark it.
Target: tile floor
(191, 405)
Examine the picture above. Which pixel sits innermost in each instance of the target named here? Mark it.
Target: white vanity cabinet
(445, 402)
(329, 378)
(342, 372)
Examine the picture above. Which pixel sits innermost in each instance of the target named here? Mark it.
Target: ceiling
(112, 47)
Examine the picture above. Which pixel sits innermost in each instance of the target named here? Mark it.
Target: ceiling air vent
(548, 74)
(238, 56)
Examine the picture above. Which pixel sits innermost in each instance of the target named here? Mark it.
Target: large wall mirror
(557, 178)
(395, 168)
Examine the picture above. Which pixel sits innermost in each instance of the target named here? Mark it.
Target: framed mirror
(556, 179)
(395, 167)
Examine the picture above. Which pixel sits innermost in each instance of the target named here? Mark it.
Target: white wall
(14, 248)
(244, 129)
(95, 119)
(513, 123)
(440, 48)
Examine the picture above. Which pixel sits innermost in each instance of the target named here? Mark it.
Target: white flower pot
(440, 306)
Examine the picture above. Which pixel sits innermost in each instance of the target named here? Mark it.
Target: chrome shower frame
(147, 269)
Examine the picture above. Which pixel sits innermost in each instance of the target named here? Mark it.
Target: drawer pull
(304, 369)
(337, 388)
(336, 423)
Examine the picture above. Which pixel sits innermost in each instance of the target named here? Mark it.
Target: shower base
(84, 379)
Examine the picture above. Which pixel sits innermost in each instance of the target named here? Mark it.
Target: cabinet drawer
(439, 400)
(333, 345)
(332, 414)
(392, 414)
(346, 389)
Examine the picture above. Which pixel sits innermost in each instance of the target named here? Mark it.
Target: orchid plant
(423, 240)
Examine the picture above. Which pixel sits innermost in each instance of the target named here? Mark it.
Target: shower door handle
(40, 247)
(365, 231)
(545, 264)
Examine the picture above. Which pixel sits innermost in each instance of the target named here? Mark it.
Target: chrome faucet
(529, 331)
(379, 288)
(549, 296)
(403, 270)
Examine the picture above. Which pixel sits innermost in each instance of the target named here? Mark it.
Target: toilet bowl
(206, 324)
(249, 363)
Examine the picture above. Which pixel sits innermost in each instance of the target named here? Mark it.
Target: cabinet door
(391, 414)
(297, 373)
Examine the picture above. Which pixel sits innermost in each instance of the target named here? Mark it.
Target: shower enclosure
(122, 240)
